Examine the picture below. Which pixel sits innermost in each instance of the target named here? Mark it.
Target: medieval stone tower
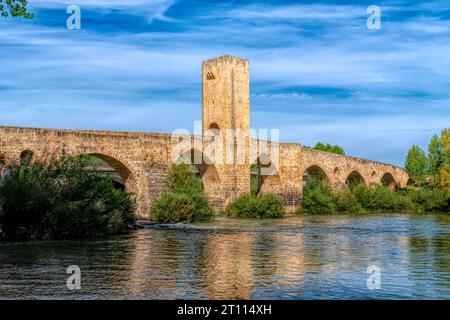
(226, 109)
(226, 93)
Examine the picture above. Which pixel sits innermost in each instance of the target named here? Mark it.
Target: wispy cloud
(317, 72)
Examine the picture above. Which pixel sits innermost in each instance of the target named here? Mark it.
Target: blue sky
(317, 72)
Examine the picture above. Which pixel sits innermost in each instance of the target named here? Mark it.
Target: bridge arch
(388, 180)
(337, 171)
(107, 166)
(317, 172)
(207, 172)
(354, 178)
(26, 156)
(133, 176)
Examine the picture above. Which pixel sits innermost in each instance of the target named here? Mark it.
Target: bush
(347, 202)
(61, 200)
(185, 200)
(318, 197)
(385, 199)
(180, 207)
(364, 196)
(429, 199)
(256, 206)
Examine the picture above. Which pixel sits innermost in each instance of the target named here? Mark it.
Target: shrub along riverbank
(318, 198)
(261, 206)
(61, 200)
(185, 200)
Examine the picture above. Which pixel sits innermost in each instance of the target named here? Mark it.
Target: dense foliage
(430, 174)
(263, 205)
(14, 8)
(417, 165)
(184, 201)
(318, 198)
(329, 148)
(61, 200)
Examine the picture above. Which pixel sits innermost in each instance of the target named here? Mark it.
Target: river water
(314, 257)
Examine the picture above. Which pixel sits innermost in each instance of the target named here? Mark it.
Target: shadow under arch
(125, 175)
(355, 178)
(26, 157)
(315, 171)
(107, 166)
(388, 180)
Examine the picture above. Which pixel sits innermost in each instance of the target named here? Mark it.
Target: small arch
(373, 174)
(26, 157)
(388, 180)
(337, 171)
(315, 171)
(354, 178)
(214, 125)
(213, 129)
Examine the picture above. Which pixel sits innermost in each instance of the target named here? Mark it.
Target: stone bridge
(143, 160)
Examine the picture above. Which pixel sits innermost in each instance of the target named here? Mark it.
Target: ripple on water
(317, 257)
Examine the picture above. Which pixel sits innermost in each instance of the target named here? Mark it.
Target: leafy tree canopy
(417, 165)
(435, 155)
(445, 170)
(329, 148)
(15, 8)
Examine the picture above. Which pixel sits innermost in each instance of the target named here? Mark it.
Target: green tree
(417, 165)
(436, 157)
(61, 200)
(15, 8)
(329, 148)
(445, 170)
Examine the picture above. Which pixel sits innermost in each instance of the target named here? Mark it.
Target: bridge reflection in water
(297, 257)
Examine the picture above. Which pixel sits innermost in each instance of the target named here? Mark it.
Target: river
(311, 257)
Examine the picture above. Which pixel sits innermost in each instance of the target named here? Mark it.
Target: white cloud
(153, 9)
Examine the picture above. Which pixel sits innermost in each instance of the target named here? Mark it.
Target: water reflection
(293, 258)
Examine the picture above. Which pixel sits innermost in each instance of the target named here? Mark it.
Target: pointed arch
(388, 180)
(355, 178)
(26, 157)
(315, 171)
